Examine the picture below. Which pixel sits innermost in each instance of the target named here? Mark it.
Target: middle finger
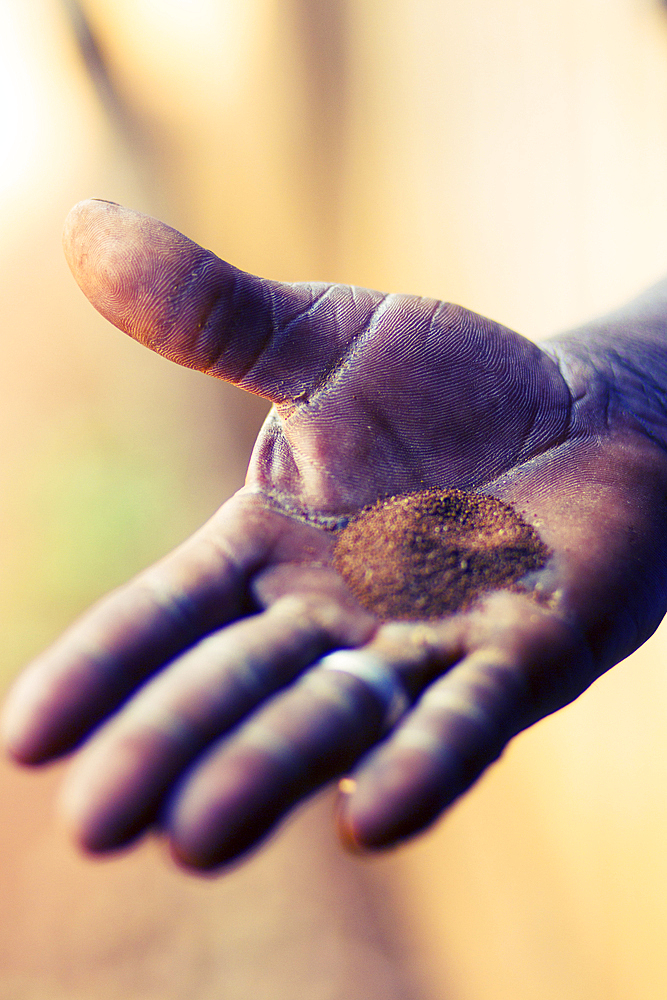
(115, 789)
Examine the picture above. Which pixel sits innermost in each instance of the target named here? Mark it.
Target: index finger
(129, 634)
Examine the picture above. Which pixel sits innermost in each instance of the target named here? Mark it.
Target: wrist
(616, 369)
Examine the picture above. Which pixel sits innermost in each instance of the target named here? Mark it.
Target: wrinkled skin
(190, 688)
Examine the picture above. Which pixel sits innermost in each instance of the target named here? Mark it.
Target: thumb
(277, 340)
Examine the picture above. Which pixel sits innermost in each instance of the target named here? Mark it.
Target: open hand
(195, 689)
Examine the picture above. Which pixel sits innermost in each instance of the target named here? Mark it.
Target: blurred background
(507, 155)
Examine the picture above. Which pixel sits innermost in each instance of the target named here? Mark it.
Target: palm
(373, 396)
(419, 394)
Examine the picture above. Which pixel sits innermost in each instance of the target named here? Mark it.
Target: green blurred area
(510, 156)
(85, 514)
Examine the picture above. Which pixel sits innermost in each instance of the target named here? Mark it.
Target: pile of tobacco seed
(429, 554)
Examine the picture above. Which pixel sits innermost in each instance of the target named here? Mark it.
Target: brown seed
(429, 554)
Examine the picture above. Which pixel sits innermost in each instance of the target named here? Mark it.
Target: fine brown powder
(429, 554)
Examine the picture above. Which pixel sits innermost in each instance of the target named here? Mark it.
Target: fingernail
(347, 831)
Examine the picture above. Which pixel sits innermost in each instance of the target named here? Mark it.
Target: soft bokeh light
(160, 38)
(20, 118)
(511, 156)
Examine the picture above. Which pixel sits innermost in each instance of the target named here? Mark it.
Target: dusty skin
(191, 691)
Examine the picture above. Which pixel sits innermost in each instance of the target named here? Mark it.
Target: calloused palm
(191, 686)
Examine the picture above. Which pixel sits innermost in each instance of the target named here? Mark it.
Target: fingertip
(14, 747)
(43, 716)
(88, 827)
(11, 737)
(98, 246)
(361, 840)
(76, 230)
(346, 829)
(115, 788)
(190, 861)
(20, 734)
(348, 833)
(397, 794)
(76, 816)
(352, 816)
(202, 817)
(353, 833)
(127, 264)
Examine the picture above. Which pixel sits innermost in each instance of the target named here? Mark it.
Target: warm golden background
(509, 155)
